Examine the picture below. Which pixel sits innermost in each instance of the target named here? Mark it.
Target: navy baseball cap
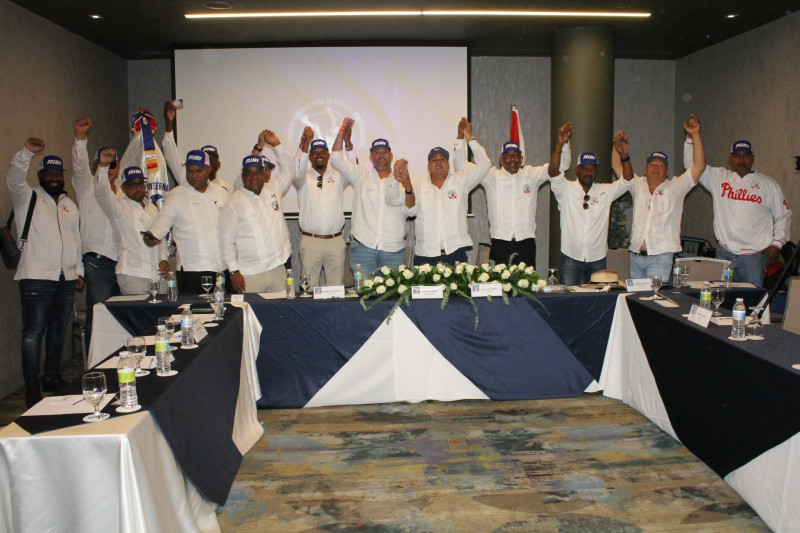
(511, 146)
(51, 162)
(659, 155)
(267, 163)
(210, 150)
(380, 143)
(132, 173)
(252, 161)
(438, 150)
(742, 146)
(587, 158)
(318, 143)
(198, 158)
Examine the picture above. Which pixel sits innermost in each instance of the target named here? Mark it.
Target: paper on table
(129, 298)
(272, 295)
(149, 361)
(666, 303)
(734, 284)
(65, 405)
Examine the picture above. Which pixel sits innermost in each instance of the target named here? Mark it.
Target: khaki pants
(135, 285)
(270, 281)
(317, 254)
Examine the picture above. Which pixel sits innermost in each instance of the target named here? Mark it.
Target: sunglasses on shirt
(586, 202)
(319, 181)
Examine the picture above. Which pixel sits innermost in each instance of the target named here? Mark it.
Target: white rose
(529, 270)
(459, 268)
(523, 284)
(425, 268)
(448, 272)
(506, 274)
(401, 268)
(485, 266)
(436, 277)
(439, 266)
(381, 289)
(378, 279)
(483, 278)
(368, 283)
(386, 270)
(542, 283)
(499, 268)
(513, 268)
(470, 269)
(522, 265)
(407, 274)
(453, 286)
(401, 289)
(506, 287)
(390, 282)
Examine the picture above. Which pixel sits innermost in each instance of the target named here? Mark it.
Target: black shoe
(32, 395)
(53, 384)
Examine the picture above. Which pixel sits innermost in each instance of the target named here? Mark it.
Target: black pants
(525, 250)
(189, 282)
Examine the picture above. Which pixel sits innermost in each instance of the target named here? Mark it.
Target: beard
(53, 188)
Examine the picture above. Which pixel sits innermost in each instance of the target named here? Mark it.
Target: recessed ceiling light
(96, 17)
(731, 15)
(218, 4)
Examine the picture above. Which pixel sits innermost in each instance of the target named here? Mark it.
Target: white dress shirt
(194, 220)
(442, 212)
(657, 216)
(321, 209)
(96, 233)
(129, 218)
(584, 232)
(175, 164)
(378, 221)
(54, 241)
(253, 231)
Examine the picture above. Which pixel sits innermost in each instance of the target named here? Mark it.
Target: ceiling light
(96, 17)
(731, 15)
(613, 14)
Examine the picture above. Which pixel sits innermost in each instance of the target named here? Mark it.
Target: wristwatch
(255, 147)
(232, 272)
(410, 192)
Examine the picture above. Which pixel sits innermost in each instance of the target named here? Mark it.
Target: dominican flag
(143, 152)
(516, 130)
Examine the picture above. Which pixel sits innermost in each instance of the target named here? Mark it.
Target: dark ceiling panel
(151, 29)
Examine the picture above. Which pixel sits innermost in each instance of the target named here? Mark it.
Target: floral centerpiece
(517, 280)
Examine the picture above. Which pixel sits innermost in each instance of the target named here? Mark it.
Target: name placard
(427, 292)
(638, 285)
(237, 298)
(326, 292)
(700, 316)
(482, 290)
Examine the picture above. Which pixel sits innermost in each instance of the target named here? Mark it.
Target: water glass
(685, 272)
(552, 279)
(655, 283)
(153, 289)
(206, 283)
(305, 285)
(755, 329)
(717, 298)
(137, 348)
(94, 390)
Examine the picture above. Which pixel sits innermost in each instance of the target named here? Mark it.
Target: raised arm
(692, 127)
(301, 165)
(348, 169)
(105, 196)
(17, 181)
(474, 172)
(556, 158)
(621, 148)
(168, 145)
(284, 177)
(81, 173)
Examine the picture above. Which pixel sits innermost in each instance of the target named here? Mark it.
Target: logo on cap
(659, 155)
(319, 143)
(511, 146)
(252, 161)
(211, 150)
(741, 146)
(132, 173)
(380, 143)
(438, 151)
(587, 158)
(197, 157)
(51, 162)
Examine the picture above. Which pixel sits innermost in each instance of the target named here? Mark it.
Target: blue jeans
(459, 256)
(574, 272)
(652, 265)
(101, 284)
(371, 259)
(746, 268)
(46, 306)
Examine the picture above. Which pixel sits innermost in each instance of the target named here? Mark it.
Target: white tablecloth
(115, 475)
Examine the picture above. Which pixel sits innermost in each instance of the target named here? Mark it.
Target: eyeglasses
(319, 181)
(586, 202)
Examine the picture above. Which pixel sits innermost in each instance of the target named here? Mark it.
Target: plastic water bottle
(163, 356)
(727, 277)
(705, 296)
(219, 301)
(358, 277)
(289, 284)
(187, 323)
(739, 313)
(676, 276)
(126, 373)
(221, 279)
(172, 287)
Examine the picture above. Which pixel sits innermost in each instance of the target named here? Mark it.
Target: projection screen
(412, 96)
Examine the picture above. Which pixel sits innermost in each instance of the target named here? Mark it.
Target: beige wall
(50, 77)
(745, 88)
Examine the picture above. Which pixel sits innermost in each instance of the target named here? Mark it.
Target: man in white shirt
(511, 196)
(191, 211)
(100, 252)
(213, 177)
(440, 203)
(584, 207)
(50, 269)
(658, 209)
(320, 189)
(131, 214)
(751, 216)
(378, 225)
(253, 231)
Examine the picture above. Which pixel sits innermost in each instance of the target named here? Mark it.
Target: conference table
(166, 467)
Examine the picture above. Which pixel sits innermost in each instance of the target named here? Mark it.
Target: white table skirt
(770, 483)
(115, 475)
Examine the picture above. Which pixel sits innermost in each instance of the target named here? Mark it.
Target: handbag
(9, 250)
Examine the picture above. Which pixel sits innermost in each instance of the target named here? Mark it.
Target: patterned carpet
(587, 464)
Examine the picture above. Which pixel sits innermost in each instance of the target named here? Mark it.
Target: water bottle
(727, 277)
(219, 301)
(221, 279)
(187, 323)
(739, 313)
(163, 356)
(126, 373)
(172, 287)
(705, 296)
(358, 277)
(676, 276)
(289, 284)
